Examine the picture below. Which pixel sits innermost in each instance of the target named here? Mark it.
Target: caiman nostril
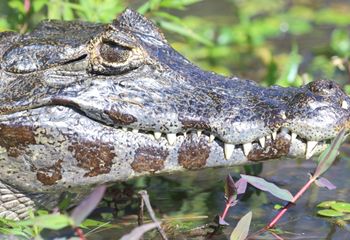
(323, 87)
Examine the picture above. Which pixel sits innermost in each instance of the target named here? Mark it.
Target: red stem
(223, 215)
(295, 198)
(80, 234)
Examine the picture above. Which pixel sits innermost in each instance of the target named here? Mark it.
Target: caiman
(83, 104)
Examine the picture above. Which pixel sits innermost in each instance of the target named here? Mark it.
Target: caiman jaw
(294, 146)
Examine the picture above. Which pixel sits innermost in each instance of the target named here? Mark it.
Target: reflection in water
(191, 199)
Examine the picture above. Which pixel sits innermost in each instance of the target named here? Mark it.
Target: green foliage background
(277, 42)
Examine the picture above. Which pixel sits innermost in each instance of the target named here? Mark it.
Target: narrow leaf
(263, 185)
(328, 156)
(241, 186)
(242, 228)
(87, 205)
(184, 31)
(230, 188)
(323, 182)
(137, 232)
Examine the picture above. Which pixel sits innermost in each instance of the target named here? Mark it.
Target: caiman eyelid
(113, 52)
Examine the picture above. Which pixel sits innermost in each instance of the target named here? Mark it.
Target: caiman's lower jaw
(279, 144)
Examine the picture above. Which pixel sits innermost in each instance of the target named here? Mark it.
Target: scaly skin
(84, 104)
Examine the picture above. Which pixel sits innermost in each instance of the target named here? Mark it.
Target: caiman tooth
(135, 131)
(171, 137)
(294, 136)
(211, 138)
(157, 135)
(151, 136)
(228, 150)
(262, 141)
(185, 134)
(124, 129)
(284, 130)
(344, 104)
(274, 135)
(199, 133)
(247, 147)
(310, 146)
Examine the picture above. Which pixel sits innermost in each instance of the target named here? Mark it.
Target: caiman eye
(114, 53)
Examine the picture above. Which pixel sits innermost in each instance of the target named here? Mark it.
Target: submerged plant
(325, 161)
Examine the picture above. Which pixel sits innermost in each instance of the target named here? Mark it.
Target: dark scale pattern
(95, 157)
(149, 159)
(193, 153)
(50, 175)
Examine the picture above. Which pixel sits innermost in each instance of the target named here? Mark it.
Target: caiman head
(100, 103)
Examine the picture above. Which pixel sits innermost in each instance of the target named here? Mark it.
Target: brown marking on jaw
(194, 123)
(50, 175)
(95, 157)
(120, 118)
(15, 138)
(273, 149)
(193, 154)
(149, 159)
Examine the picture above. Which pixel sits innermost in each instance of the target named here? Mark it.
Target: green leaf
(325, 204)
(341, 207)
(39, 4)
(340, 42)
(88, 223)
(277, 207)
(184, 31)
(18, 5)
(263, 185)
(3, 24)
(326, 159)
(290, 71)
(242, 228)
(14, 231)
(179, 4)
(347, 88)
(154, 4)
(144, 8)
(332, 16)
(330, 213)
(52, 221)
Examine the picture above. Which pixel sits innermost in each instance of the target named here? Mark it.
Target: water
(186, 200)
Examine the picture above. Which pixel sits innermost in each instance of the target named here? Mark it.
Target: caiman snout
(318, 113)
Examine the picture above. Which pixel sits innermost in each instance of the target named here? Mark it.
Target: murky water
(191, 199)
